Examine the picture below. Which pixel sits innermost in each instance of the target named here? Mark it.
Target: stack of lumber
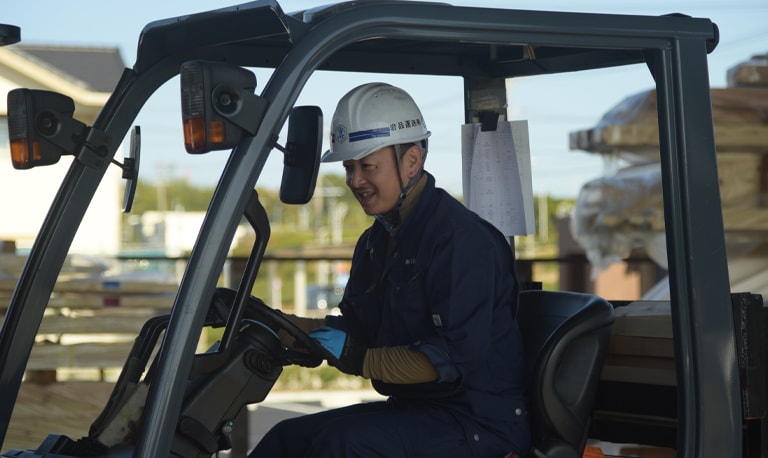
(632, 126)
(66, 408)
(619, 212)
(87, 330)
(630, 130)
(641, 348)
(91, 321)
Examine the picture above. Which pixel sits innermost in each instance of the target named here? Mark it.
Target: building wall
(175, 232)
(26, 195)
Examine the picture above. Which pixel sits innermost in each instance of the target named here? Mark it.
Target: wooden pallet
(66, 408)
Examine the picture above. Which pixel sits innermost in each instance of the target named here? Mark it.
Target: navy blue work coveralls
(449, 289)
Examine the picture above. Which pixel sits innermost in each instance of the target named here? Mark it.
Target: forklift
(186, 401)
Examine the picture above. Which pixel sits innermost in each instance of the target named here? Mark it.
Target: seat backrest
(566, 336)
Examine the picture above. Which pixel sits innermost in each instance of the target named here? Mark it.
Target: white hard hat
(370, 117)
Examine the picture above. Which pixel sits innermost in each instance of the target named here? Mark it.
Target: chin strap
(392, 219)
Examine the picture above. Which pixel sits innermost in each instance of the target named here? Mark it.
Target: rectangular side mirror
(301, 161)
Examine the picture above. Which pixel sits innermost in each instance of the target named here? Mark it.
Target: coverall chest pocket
(407, 305)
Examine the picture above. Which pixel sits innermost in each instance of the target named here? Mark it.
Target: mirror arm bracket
(95, 151)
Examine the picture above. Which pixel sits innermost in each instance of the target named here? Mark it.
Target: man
(428, 312)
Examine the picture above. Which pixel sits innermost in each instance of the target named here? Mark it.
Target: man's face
(374, 181)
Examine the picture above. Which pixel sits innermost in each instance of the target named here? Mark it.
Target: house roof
(87, 74)
(94, 69)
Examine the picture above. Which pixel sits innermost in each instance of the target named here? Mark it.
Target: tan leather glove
(398, 365)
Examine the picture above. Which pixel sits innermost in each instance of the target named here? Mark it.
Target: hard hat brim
(334, 156)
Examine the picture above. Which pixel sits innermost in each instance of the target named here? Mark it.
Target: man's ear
(413, 160)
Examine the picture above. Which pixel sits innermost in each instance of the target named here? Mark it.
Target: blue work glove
(343, 353)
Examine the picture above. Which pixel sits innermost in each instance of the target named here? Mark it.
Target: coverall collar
(393, 219)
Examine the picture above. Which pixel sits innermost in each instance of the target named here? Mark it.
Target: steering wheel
(305, 351)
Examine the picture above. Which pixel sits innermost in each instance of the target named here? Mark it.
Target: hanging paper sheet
(496, 175)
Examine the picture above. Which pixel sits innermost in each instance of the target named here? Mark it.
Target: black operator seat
(566, 337)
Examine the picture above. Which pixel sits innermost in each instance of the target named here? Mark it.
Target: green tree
(174, 194)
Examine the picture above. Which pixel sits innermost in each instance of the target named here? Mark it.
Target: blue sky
(554, 105)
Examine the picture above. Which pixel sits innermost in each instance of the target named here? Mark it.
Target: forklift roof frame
(482, 45)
